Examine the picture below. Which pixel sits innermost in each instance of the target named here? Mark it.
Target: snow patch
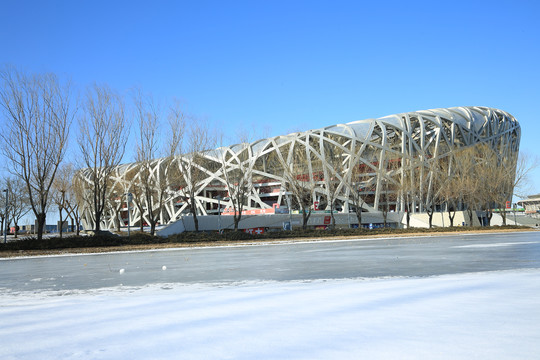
(476, 315)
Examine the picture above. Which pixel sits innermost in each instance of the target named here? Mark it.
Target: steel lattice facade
(427, 135)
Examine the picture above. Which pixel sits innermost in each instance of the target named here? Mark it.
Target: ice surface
(426, 256)
(457, 297)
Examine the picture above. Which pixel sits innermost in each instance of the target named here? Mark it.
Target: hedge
(107, 239)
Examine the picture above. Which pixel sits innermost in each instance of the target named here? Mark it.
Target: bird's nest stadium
(331, 163)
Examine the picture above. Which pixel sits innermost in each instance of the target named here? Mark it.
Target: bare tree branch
(39, 113)
(102, 141)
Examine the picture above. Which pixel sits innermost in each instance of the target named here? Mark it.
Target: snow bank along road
(473, 296)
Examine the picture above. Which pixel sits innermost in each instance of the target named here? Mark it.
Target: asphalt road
(416, 256)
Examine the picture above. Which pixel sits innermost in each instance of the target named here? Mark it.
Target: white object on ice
(163, 267)
(122, 271)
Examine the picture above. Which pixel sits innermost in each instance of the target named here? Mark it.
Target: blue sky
(282, 66)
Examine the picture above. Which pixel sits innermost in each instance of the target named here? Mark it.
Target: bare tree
(153, 174)
(238, 174)
(79, 195)
(191, 168)
(389, 182)
(470, 183)
(70, 196)
(430, 185)
(333, 175)
(62, 185)
(520, 177)
(451, 185)
(503, 175)
(493, 170)
(137, 193)
(18, 204)
(409, 186)
(360, 187)
(481, 179)
(102, 141)
(4, 207)
(295, 163)
(467, 168)
(39, 112)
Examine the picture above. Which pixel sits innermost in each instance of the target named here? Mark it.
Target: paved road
(421, 256)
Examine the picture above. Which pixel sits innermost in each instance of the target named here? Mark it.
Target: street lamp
(515, 208)
(129, 198)
(219, 198)
(288, 195)
(6, 217)
(60, 228)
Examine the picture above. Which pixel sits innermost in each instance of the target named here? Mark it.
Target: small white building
(531, 205)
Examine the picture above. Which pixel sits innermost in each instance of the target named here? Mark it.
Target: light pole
(6, 217)
(60, 226)
(515, 208)
(288, 194)
(219, 198)
(129, 198)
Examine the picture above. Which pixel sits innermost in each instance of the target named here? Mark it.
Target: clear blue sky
(282, 66)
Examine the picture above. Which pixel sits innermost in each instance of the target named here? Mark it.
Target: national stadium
(328, 168)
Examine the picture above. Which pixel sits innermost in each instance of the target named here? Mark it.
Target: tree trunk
(78, 226)
(153, 227)
(16, 228)
(40, 225)
(359, 216)
(193, 210)
(451, 217)
(195, 219)
(305, 218)
(97, 225)
(489, 215)
(117, 220)
(236, 220)
(332, 215)
(408, 215)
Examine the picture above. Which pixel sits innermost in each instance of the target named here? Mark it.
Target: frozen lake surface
(451, 297)
(420, 256)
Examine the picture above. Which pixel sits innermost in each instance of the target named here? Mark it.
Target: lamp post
(515, 208)
(6, 217)
(219, 198)
(129, 198)
(60, 225)
(288, 195)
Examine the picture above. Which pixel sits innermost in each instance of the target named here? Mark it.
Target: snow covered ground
(482, 315)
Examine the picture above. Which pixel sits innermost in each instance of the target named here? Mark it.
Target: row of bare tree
(39, 110)
(476, 178)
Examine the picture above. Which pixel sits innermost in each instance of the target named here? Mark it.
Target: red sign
(508, 204)
(315, 205)
(230, 211)
(327, 220)
(255, 231)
